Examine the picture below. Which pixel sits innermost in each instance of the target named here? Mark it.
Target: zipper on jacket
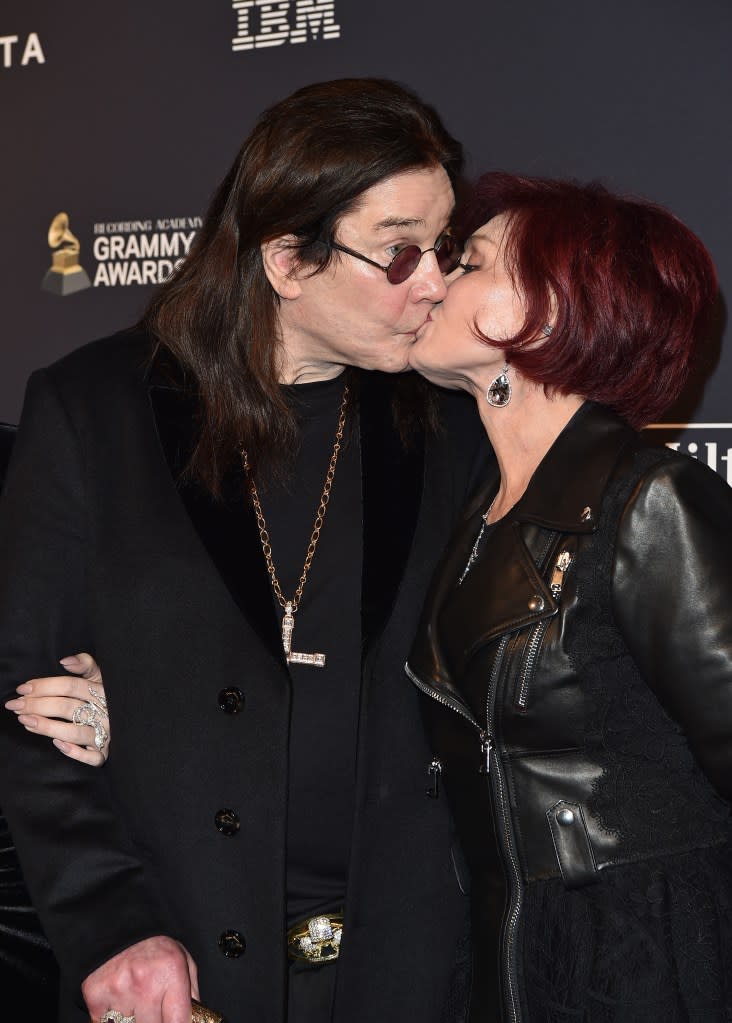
(556, 583)
(527, 669)
(515, 888)
(435, 772)
(486, 739)
(506, 839)
(557, 580)
(486, 748)
(442, 698)
(533, 645)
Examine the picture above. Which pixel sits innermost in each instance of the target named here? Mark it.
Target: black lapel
(227, 528)
(392, 482)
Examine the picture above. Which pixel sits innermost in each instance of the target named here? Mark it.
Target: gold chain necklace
(291, 606)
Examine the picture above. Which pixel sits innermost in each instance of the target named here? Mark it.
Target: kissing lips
(422, 325)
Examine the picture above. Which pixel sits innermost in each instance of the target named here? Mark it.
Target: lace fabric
(652, 789)
(651, 942)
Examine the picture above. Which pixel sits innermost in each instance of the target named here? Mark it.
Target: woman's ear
(279, 257)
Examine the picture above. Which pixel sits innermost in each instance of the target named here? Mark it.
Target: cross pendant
(292, 656)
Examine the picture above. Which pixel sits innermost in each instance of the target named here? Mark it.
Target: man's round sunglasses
(446, 249)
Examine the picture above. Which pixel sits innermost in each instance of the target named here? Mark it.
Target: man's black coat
(101, 551)
(28, 971)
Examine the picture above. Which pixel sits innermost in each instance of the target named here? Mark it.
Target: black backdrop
(125, 116)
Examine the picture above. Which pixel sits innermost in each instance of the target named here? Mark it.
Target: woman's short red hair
(628, 287)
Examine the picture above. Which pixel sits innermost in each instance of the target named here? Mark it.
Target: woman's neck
(521, 433)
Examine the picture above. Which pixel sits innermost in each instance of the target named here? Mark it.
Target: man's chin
(395, 367)
(395, 359)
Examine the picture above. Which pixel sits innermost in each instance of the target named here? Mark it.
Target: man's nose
(429, 281)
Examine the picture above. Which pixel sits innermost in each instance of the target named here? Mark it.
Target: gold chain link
(319, 518)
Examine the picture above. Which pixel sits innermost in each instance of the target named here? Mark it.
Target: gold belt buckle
(317, 939)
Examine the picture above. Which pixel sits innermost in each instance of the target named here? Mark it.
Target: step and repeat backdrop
(119, 119)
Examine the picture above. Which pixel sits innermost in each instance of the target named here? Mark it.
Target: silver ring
(114, 1016)
(101, 735)
(99, 701)
(89, 714)
(86, 714)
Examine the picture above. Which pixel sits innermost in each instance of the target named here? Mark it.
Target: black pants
(310, 992)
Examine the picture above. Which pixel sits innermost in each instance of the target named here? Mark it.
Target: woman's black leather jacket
(588, 653)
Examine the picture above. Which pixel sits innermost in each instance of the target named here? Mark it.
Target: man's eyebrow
(389, 222)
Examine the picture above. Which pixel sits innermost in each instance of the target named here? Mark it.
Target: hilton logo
(280, 21)
(709, 442)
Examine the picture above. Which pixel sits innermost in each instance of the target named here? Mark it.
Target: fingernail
(29, 720)
(15, 704)
(63, 746)
(70, 662)
(24, 688)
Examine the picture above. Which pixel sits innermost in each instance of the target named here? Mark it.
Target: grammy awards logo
(65, 275)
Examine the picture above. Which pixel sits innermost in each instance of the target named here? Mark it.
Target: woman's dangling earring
(499, 392)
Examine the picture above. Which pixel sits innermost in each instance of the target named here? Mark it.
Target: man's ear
(279, 257)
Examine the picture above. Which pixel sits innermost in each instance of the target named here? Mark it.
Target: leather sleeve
(672, 594)
(81, 870)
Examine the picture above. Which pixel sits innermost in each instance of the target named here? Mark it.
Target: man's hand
(154, 981)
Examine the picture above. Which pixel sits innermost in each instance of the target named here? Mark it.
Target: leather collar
(573, 475)
(564, 496)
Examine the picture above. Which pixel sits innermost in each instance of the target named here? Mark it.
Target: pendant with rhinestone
(292, 656)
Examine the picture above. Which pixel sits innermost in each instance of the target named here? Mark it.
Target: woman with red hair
(575, 648)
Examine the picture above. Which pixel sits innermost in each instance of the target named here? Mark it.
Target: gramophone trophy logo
(65, 275)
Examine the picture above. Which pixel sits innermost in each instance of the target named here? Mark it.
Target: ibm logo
(312, 18)
(709, 442)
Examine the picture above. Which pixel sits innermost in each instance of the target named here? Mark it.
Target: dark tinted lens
(403, 264)
(448, 253)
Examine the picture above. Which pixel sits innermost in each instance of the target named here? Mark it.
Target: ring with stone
(101, 735)
(85, 714)
(115, 1016)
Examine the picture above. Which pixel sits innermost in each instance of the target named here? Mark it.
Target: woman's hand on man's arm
(69, 709)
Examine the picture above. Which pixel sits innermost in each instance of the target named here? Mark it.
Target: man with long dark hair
(236, 507)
